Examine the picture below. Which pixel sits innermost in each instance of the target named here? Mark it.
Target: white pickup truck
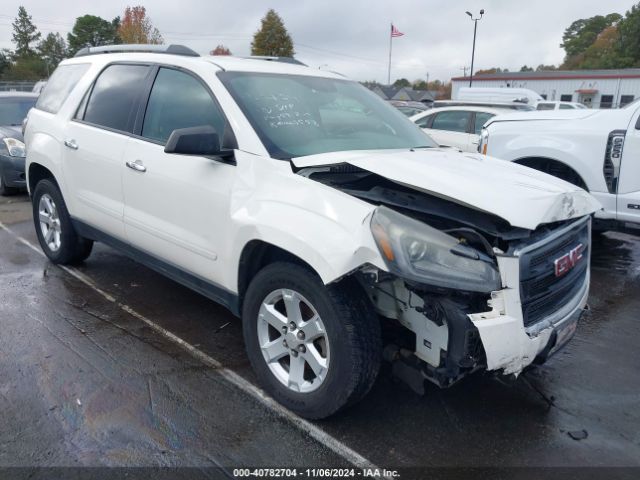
(597, 150)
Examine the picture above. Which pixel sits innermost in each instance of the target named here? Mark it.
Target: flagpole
(390, 47)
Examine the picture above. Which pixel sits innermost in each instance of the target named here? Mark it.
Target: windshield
(14, 109)
(297, 115)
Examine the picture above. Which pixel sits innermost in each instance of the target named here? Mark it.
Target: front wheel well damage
(256, 255)
(555, 168)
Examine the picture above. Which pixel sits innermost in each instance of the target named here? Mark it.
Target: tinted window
(566, 107)
(606, 101)
(453, 121)
(424, 121)
(481, 119)
(546, 106)
(60, 85)
(625, 100)
(114, 95)
(179, 100)
(14, 109)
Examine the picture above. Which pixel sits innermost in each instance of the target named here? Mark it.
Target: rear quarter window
(113, 99)
(60, 85)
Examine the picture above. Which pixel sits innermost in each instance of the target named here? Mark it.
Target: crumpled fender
(322, 226)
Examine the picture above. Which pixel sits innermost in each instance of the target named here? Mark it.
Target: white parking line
(305, 426)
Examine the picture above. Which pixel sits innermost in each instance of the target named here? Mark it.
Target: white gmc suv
(312, 209)
(595, 149)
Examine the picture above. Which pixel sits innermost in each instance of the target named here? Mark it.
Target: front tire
(58, 239)
(316, 349)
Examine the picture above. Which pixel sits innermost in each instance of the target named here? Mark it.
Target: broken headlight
(15, 147)
(418, 252)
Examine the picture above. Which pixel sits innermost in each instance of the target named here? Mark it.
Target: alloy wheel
(50, 225)
(293, 340)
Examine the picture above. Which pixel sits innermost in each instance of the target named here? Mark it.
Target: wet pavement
(83, 382)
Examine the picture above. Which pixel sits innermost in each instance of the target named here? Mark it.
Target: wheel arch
(256, 255)
(36, 173)
(556, 168)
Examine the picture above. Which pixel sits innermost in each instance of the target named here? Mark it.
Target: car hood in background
(11, 132)
(522, 196)
(577, 114)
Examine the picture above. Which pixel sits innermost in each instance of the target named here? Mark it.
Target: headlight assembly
(15, 147)
(418, 252)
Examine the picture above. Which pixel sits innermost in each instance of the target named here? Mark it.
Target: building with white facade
(593, 88)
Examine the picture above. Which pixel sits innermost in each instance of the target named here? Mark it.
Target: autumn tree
(583, 32)
(52, 50)
(272, 39)
(220, 50)
(25, 34)
(605, 52)
(92, 31)
(490, 71)
(136, 27)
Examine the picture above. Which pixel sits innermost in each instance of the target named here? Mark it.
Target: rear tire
(339, 317)
(58, 239)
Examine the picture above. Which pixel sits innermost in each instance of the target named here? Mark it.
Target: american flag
(395, 32)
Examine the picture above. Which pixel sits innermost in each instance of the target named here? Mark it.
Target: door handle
(71, 144)
(137, 166)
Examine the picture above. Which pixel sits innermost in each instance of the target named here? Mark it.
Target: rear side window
(546, 106)
(59, 86)
(114, 97)
(453, 121)
(179, 100)
(566, 107)
(424, 121)
(481, 119)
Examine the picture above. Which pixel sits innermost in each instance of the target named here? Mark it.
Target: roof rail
(143, 48)
(292, 60)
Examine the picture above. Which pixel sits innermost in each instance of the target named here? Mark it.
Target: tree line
(598, 42)
(35, 57)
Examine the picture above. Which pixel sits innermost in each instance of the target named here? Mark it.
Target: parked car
(260, 185)
(457, 127)
(557, 105)
(409, 108)
(473, 103)
(13, 110)
(596, 150)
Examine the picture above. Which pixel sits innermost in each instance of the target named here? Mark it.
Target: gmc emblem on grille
(569, 260)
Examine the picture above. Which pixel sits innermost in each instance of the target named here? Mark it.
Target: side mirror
(202, 140)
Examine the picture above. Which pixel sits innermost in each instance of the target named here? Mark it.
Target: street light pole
(473, 51)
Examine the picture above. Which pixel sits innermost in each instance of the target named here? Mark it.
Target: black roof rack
(143, 48)
(292, 60)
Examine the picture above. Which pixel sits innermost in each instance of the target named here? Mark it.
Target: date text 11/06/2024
(315, 473)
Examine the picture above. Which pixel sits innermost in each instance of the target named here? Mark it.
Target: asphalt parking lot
(93, 373)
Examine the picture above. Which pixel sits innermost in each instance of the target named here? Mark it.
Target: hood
(577, 114)
(11, 132)
(523, 197)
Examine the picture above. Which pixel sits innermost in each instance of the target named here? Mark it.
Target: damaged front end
(473, 292)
